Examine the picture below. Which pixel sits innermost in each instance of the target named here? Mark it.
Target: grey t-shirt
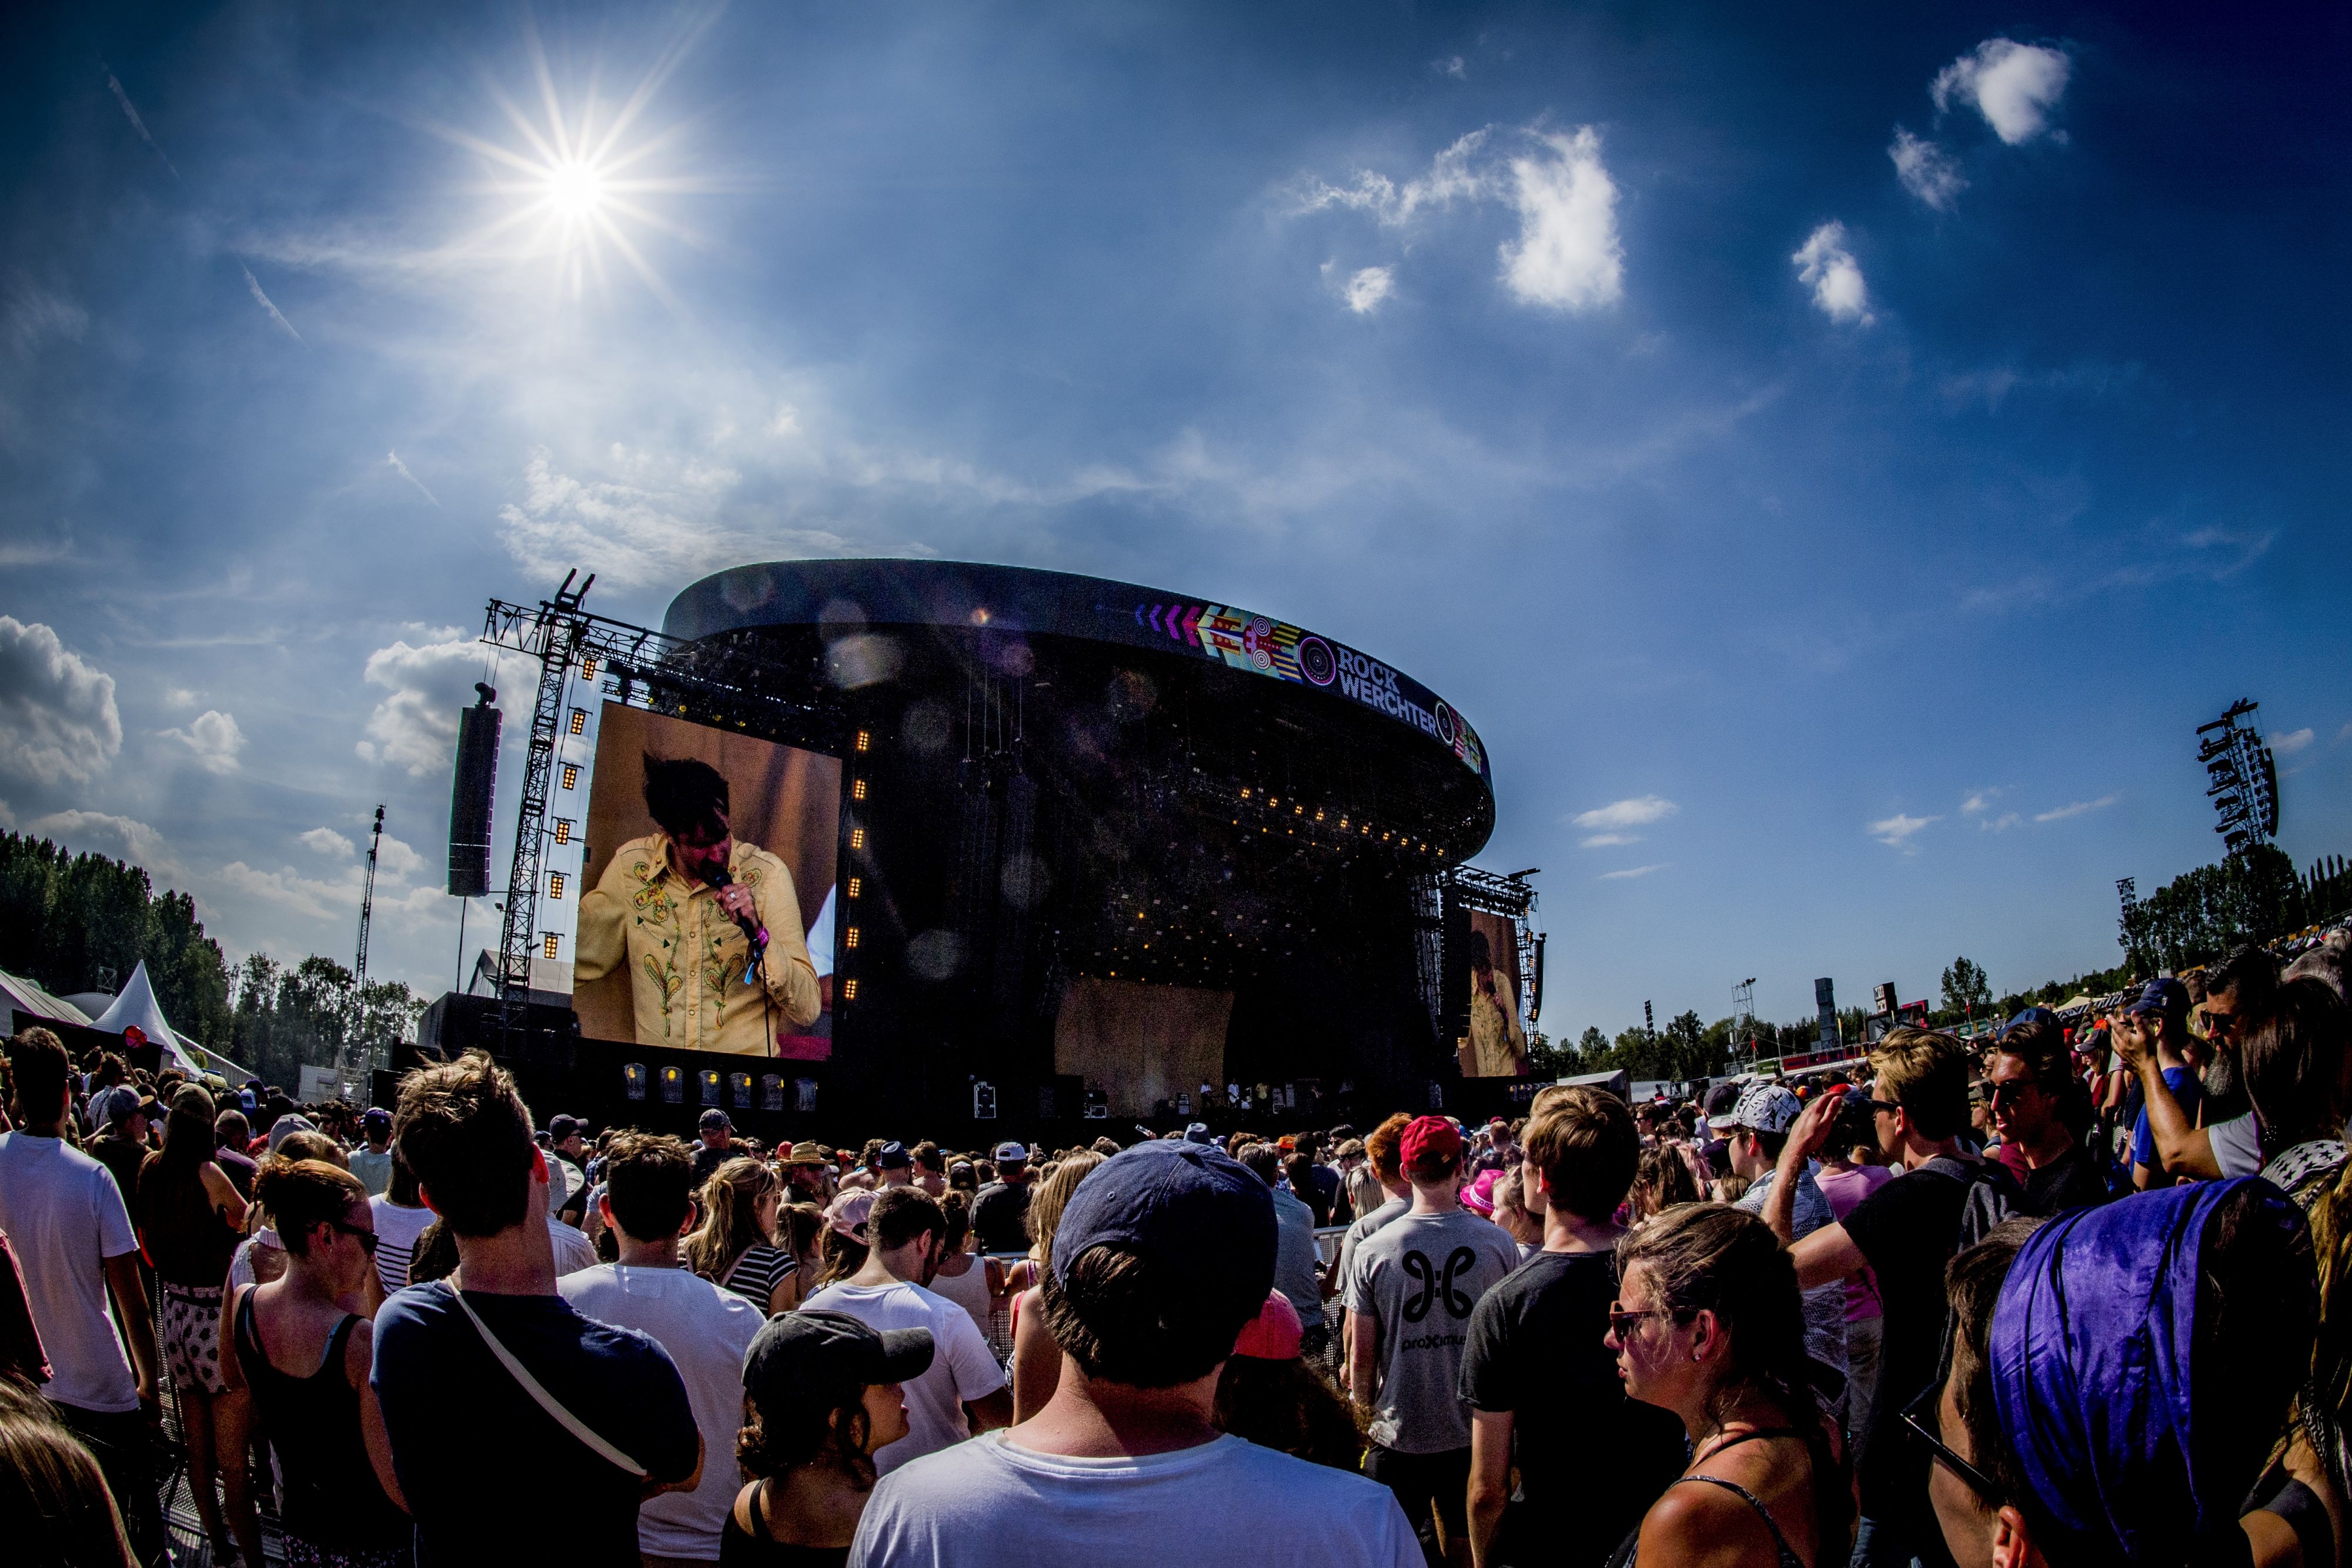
(1360, 1229)
(1420, 1275)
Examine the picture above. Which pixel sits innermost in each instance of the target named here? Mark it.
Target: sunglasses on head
(1924, 1418)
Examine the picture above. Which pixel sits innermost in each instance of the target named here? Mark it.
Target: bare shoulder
(1698, 1523)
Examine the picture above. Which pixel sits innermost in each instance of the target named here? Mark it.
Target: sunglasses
(1623, 1322)
(2002, 1093)
(366, 1239)
(1922, 1416)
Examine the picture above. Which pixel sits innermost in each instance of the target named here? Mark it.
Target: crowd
(2060, 1297)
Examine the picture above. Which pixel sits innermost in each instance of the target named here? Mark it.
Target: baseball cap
(1274, 1333)
(286, 1127)
(1766, 1108)
(1186, 1208)
(1430, 1140)
(1198, 1133)
(807, 1153)
(112, 1107)
(561, 1127)
(2161, 995)
(1011, 1151)
(1719, 1101)
(815, 1361)
(2034, 1015)
(714, 1117)
(848, 1211)
(894, 1156)
(375, 1116)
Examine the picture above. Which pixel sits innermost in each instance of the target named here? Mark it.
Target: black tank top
(333, 1498)
(738, 1548)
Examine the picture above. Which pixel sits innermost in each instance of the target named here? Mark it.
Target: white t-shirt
(990, 1503)
(961, 1370)
(64, 1216)
(573, 1251)
(707, 1332)
(396, 1230)
(2237, 1145)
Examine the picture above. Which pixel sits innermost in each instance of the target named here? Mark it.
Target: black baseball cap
(1183, 1205)
(561, 1127)
(821, 1360)
(714, 1117)
(894, 1156)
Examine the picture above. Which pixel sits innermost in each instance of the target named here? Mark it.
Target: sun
(575, 189)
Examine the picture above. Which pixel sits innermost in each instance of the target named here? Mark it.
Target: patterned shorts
(301, 1553)
(192, 1321)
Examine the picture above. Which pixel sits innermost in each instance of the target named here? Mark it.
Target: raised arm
(2181, 1148)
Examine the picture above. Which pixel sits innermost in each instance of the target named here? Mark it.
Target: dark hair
(231, 1130)
(1126, 1318)
(38, 1067)
(1264, 1162)
(1289, 1406)
(1300, 1169)
(1664, 1181)
(926, 1154)
(2043, 1049)
(300, 1195)
(1588, 1148)
(900, 1214)
(1712, 1258)
(649, 1183)
(2292, 1052)
(2251, 972)
(52, 1492)
(772, 1442)
(190, 1138)
(435, 1256)
(1482, 953)
(466, 1135)
(955, 1209)
(684, 795)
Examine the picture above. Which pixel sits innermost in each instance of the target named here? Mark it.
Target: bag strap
(547, 1402)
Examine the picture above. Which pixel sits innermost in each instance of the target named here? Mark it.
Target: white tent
(136, 1005)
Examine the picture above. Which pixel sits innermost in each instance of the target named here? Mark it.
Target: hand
(1810, 1131)
(151, 1399)
(736, 900)
(2130, 1036)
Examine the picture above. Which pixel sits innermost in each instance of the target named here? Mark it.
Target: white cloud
(214, 738)
(1630, 873)
(1979, 801)
(291, 889)
(392, 460)
(1826, 265)
(2001, 823)
(58, 717)
(2014, 85)
(121, 837)
(416, 726)
(1368, 287)
(329, 842)
(396, 860)
(253, 284)
(1603, 840)
(2292, 741)
(1927, 170)
(1451, 178)
(1637, 813)
(1897, 831)
(35, 314)
(1452, 66)
(1566, 256)
(2079, 807)
(131, 113)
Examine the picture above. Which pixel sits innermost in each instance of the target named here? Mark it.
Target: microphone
(753, 932)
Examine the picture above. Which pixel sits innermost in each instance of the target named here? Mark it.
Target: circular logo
(1315, 660)
(1445, 723)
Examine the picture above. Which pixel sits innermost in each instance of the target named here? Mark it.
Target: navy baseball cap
(713, 1118)
(894, 1156)
(817, 1361)
(2030, 1016)
(1183, 1206)
(2162, 994)
(375, 1116)
(1198, 1133)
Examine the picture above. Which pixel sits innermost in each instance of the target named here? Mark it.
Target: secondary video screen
(699, 844)
(1498, 1046)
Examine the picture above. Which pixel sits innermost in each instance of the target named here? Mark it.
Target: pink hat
(1272, 1334)
(848, 1211)
(1478, 1197)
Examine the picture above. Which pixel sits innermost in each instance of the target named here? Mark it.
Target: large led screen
(1497, 1042)
(699, 843)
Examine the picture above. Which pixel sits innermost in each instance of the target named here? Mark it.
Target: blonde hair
(1927, 1073)
(1365, 1192)
(1053, 1194)
(731, 1217)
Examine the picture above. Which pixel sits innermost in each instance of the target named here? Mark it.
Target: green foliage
(82, 922)
(2202, 915)
(290, 1019)
(1966, 989)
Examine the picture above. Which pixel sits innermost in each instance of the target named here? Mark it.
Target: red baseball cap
(1272, 1334)
(1430, 1140)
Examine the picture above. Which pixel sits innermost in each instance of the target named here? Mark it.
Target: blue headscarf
(2090, 1350)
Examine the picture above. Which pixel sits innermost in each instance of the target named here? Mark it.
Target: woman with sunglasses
(1708, 1324)
(302, 1343)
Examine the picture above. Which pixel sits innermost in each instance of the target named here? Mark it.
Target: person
(1710, 1325)
(842, 1244)
(371, 1162)
(53, 1495)
(999, 1209)
(1294, 1255)
(2298, 1073)
(2227, 1147)
(1511, 1212)
(930, 1169)
(2157, 1023)
(301, 1349)
(1542, 1387)
(1759, 1126)
(1410, 1291)
(963, 1391)
(2034, 1099)
(123, 1146)
(189, 1219)
(648, 1204)
(400, 1218)
(63, 1211)
(670, 908)
(1663, 1180)
(1497, 1043)
(736, 1246)
(1847, 1177)
(1904, 1233)
(822, 1394)
(971, 1280)
(1270, 1395)
(1306, 1183)
(892, 1166)
(1385, 1159)
(716, 1144)
(567, 1148)
(230, 1135)
(1162, 1257)
(2069, 1335)
(1365, 1193)
(809, 1172)
(505, 1378)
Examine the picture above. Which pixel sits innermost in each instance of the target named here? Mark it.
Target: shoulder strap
(1788, 1552)
(546, 1401)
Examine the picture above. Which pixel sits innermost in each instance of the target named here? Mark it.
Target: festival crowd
(2056, 1296)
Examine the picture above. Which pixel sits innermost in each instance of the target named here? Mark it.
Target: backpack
(1994, 1196)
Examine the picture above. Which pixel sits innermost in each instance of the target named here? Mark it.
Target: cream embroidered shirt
(686, 955)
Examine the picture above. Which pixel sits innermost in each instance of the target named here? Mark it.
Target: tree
(2203, 914)
(1966, 989)
(83, 923)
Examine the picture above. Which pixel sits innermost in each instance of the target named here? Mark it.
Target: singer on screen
(673, 907)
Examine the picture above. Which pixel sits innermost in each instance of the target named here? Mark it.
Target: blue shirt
(483, 1467)
(2189, 1090)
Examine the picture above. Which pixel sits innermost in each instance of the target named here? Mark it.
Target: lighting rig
(2244, 777)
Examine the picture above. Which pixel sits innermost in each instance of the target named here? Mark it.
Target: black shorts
(1422, 1479)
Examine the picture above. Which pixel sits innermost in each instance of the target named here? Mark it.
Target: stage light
(849, 936)
(562, 830)
(673, 1086)
(709, 1079)
(555, 884)
(856, 887)
(1244, 791)
(588, 669)
(738, 1085)
(856, 838)
(550, 946)
(632, 1080)
(857, 790)
(579, 721)
(864, 740)
(849, 991)
(571, 774)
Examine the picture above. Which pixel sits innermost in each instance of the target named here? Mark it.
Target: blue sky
(1836, 459)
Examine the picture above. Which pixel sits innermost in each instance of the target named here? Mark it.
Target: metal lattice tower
(2244, 779)
(359, 964)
